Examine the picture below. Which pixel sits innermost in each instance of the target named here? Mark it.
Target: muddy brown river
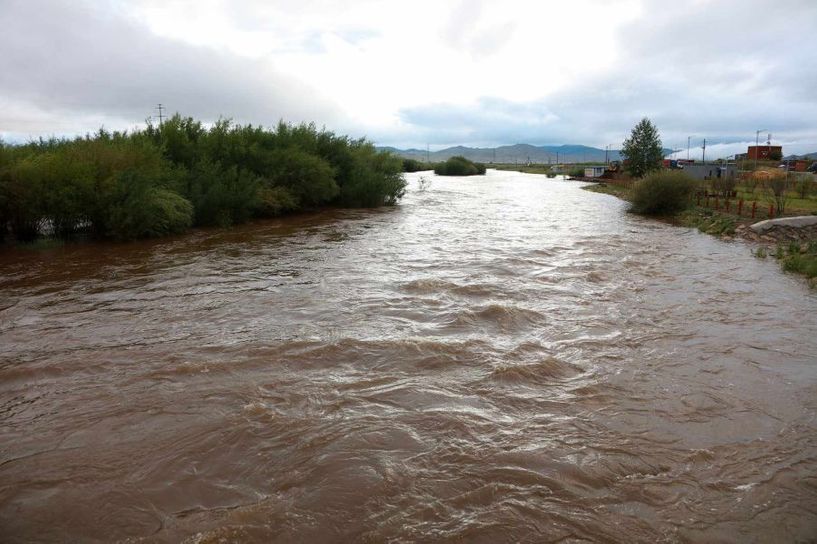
(498, 359)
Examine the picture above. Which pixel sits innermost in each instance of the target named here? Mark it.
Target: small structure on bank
(710, 171)
(594, 171)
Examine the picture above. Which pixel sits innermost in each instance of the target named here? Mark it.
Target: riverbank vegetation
(459, 166)
(662, 193)
(621, 191)
(164, 179)
(550, 170)
(708, 221)
(800, 259)
(413, 165)
(795, 257)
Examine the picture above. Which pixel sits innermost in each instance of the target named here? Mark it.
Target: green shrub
(459, 166)
(750, 184)
(22, 197)
(142, 210)
(724, 185)
(220, 196)
(662, 193)
(308, 178)
(274, 201)
(798, 259)
(179, 139)
(375, 179)
(413, 165)
(801, 263)
(776, 188)
(804, 187)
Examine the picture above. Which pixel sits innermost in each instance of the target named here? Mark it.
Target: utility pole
(161, 117)
(606, 154)
(427, 153)
(703, 156)
(757, 142)
(689, 138)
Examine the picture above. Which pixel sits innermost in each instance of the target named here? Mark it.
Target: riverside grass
(796, 258)
(164, 179)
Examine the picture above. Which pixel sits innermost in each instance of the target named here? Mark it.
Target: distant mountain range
(810, 156)
(519, 153)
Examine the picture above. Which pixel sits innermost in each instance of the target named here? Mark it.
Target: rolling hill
(518, 153)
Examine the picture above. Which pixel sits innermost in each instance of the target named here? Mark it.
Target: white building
(709, 171)
(594, 171)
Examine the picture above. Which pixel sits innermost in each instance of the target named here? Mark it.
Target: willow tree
(643, 150)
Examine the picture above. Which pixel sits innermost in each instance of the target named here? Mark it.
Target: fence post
(740, 207)
(754, 208)
(771, 211)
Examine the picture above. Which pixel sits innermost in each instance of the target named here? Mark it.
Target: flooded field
(497, 359)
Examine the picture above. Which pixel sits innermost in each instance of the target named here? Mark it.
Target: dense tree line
(164, 179)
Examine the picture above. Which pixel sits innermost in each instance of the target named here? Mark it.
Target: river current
(504, 358)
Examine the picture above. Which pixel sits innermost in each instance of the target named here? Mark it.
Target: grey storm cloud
(722, 69)
(719, 68)
(68, 58)
(464, 33)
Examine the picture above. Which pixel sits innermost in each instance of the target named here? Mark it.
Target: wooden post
(754, 208)
(740, 207)
(771, 211)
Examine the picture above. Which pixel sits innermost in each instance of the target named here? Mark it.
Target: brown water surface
(499, 359)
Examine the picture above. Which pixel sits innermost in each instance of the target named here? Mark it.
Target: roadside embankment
(801, 229)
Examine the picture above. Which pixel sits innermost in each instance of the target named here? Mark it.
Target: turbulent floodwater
(498, 359)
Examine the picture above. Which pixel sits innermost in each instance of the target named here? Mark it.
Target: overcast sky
(408, 74)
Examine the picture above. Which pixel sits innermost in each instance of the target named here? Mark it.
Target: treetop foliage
(643, 150)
